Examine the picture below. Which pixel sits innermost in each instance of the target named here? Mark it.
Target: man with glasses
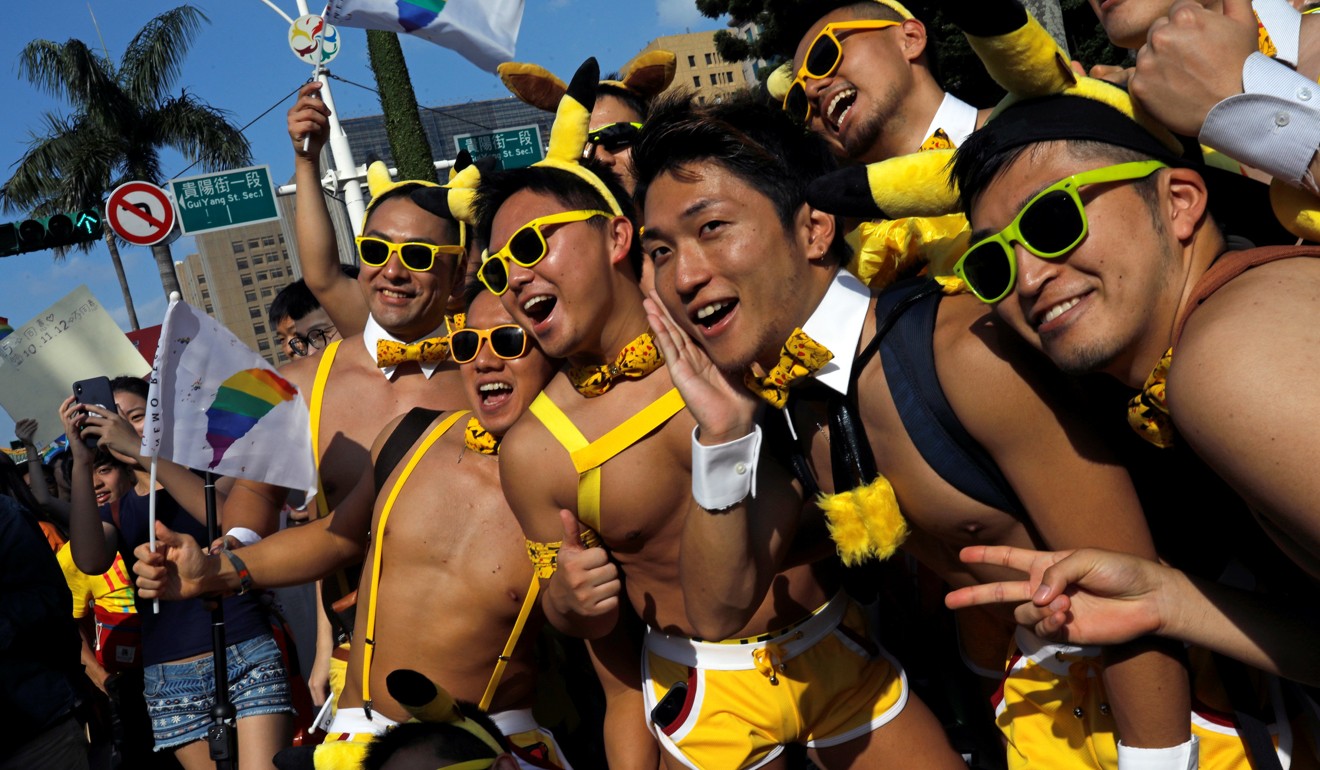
(302, 327)
(926, 405)
(861, 80)
(447, 588)
(1128, 271)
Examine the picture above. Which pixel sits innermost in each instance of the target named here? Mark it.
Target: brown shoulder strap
(1230, 266)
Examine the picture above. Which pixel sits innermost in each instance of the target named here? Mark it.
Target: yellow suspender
(588, 457)
(314, 406)
(430, 439)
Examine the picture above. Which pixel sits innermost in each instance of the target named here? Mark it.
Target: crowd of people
(832, 424)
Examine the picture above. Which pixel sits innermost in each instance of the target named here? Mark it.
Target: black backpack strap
(396, 447)
(1251, 724)
(905, 328)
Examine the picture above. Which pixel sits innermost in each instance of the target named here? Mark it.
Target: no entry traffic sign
(140, 213)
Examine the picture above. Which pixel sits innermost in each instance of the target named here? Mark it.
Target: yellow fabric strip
(567, 434)
(314, 407)
(627, 433)
(416, 457)
(502, 661)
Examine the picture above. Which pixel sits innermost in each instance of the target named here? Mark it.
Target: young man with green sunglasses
(1213, 336)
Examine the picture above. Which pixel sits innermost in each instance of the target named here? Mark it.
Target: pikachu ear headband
(453, 200)
(1026, 61)
(428, 702)
(647, 75)
(379, 184)
(568, 135)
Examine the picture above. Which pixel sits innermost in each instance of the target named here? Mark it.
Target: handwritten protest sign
(72, 340)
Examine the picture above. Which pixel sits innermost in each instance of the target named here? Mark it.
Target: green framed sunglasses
(1050, 225)
(526, 247)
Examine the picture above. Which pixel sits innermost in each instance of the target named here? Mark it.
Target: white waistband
(355, 720)
(738, 657)
(1044, 653)
(514, 721)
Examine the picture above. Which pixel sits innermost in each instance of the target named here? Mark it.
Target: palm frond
(68, 70)
(201, 133)
(154, 58)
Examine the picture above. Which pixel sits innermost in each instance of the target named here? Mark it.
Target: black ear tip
(410, 688)
(432, 199)
(372, 158)
(487, 164)
(463, 160)
(583, 85)
(846, 193)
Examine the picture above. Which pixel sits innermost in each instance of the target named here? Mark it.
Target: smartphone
(670, 707)
(94, 392)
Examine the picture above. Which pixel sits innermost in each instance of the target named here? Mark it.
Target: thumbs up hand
(1192, 60)
(582, 598)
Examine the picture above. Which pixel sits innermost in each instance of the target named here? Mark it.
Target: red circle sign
(140, 213)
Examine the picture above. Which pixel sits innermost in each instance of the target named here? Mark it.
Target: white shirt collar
(374, 333)
(956, 117)
(837, 324)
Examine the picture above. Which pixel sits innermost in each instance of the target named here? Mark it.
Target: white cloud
(680, 13)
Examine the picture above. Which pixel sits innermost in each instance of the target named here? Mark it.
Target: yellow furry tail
(339, 755)
(892, 248)
(865, 523)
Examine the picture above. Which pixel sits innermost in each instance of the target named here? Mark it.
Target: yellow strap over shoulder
(432, 437)
(566, 433)
(314, 407)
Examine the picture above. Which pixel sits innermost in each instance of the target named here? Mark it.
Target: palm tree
(123, 115)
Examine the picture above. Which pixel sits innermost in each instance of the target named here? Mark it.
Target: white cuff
(725, 474)
(1273, 126)
(1184, 756)
(244, 535)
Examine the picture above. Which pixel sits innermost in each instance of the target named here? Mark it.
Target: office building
(699, 66)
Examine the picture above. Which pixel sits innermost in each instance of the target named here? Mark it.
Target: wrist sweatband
(244, 535)
(1184, 756)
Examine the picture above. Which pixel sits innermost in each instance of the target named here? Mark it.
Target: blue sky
(241, 63)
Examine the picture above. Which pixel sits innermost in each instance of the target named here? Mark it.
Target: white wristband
(244, 535)
(1184, 756)
(725, 474)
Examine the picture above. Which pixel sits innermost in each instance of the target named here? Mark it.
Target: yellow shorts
(821, 682)
(349, 736)
(1054, 712)
(338, 670)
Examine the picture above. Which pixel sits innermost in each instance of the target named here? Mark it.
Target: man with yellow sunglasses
(860, 79)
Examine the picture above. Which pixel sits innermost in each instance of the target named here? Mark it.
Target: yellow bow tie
(637, 359)
(1147, 412)
(1264, 43)
(478, 439)
(800, 357)
(428, 351)
(938, 141)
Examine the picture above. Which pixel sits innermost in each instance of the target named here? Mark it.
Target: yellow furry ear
(427, 701)
(865, 523)
(892, 248)
(533, 84)
(1297, 210)
(379, 180)
(649, 73)
(780, 81)
(568, 135)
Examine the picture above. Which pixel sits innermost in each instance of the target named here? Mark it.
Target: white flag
(216, 405)
(482, 31)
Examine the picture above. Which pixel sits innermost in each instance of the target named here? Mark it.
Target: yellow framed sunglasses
(526, 247)
(823, 57)
(417, 257)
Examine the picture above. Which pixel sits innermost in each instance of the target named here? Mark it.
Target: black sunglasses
(614, 137)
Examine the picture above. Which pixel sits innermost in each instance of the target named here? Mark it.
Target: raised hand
(722, 406)
(1192, 60)
(585, 587)
(1087, 596)
(26, 430)
(113, 432)
(71, 418)
(177, 570)
(309, 119)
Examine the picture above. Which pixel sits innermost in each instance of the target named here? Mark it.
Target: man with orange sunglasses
(862, 81)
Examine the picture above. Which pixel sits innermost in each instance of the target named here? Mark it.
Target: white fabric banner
(214, 404)
(483, 31)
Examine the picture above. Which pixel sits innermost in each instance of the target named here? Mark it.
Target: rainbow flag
(482, 31)
(214, 404)
(5, 328)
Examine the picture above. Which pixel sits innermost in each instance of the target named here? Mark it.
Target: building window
(250, 296)
(728, 77)
(692, 61)
(277, 272)
(252, 244)
(261, 275)
(263, 344)
(701, 100)
(709, 60)
(254, 312)
(259, 328)
(206, 294)
(281, 237)
(209, 309)
(241, 263)
(696, 81)
(238, 246)
(714, 78)
(201, 279)
(268, 240)
(266, 292)
(246, 279)
(257, 259)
